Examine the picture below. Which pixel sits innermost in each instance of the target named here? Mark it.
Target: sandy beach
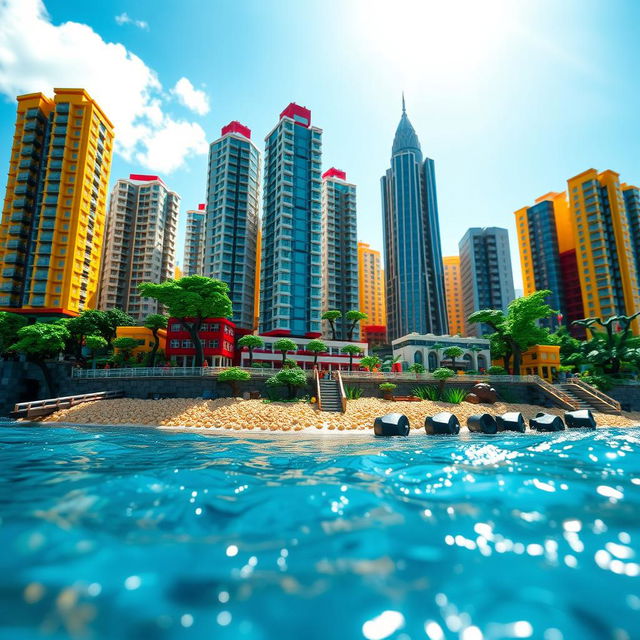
(237, 414)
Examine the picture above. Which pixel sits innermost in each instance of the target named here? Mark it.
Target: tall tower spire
(403, 107)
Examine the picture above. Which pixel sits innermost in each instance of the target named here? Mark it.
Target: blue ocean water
(143, 534)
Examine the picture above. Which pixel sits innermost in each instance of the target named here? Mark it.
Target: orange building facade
(453, 295)
(371, 294)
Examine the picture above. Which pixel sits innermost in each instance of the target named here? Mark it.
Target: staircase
(330, 399)
(588, 397)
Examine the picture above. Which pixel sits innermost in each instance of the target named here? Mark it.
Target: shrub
(291, 378)
(471, 372)
(289, 364)
(427, 392)
(387, 386)
(497, 371)
(454, 396)
(416, 367)
(599, 381)
(353, 393)
(232, 376)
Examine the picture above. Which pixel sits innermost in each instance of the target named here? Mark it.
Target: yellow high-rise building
(371, 294)
(453, 295)
(53, 218)
(604, 245)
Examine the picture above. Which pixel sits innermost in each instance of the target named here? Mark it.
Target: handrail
(596, 393)
(556, 393)
(316, 377)
(162, 372)
(50, 405)
(343, 395)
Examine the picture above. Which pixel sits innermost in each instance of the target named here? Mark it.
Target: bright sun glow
(434, 38)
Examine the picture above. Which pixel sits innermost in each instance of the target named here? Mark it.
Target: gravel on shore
(238, 414)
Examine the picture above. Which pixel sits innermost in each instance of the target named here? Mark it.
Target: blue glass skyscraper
(291, 281)
(413, 257)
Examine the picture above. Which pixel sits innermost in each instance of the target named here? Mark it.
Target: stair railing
(596, 393)
(562, 398)
(343, 395)
(316, 377)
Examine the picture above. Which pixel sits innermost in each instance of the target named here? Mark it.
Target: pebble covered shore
(238, 414)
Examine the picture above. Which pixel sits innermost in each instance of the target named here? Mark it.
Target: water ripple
(140, 533)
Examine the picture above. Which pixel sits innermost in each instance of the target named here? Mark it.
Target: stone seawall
(627, 395)
(23, 381)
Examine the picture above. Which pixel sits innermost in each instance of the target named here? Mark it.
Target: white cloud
(191, 97)
(124, 18)
(36, 55)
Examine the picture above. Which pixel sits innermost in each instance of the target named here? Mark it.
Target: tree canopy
(354, 317)
(517, 330)
(292, 378)
(191, 299)
(10, 324)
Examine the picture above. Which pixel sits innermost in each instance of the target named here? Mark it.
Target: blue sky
(509, 98)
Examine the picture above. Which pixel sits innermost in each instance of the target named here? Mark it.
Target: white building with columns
(428, 350)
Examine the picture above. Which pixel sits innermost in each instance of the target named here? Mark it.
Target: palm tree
(331, 316)
(352, 350)
(354, 317)
(251, 342)
(316, 347)
(283, 345)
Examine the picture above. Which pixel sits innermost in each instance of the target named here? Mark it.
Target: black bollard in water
(482, 423)
(582, 419)
(511, 421)
(546, 422)
(393, 424)
(443, 423)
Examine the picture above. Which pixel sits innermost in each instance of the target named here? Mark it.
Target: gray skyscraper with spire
(413, 257)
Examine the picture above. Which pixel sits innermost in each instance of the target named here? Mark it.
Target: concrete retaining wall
(627, 395)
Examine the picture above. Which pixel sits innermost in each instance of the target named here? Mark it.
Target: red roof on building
(334, 173)
(236, 127)
(301, 115)
(143, 177)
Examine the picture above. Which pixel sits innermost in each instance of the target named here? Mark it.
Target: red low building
(218, 342)
(374, 334)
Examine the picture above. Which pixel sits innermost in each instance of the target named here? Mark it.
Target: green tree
(517, 329)
(251, 342)
(125, 346)
(89, 323)
(454, 353)
(232, 376)
(155, 322)
(10, 324)
(191, 299)
(331, 316)
(417, 368)
(95, 344)
(351, 350)
(442, 374)
(316, 347)
(369, 363)
(354, 317)
(608, 350)
(293, 379)
(285, 345)
(40, 341)
(111, 320)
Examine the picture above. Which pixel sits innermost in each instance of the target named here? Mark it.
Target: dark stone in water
(482, 423)
(511, 421)
(392, 424)
(443, 423)
(546, 422)
(581, 419)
